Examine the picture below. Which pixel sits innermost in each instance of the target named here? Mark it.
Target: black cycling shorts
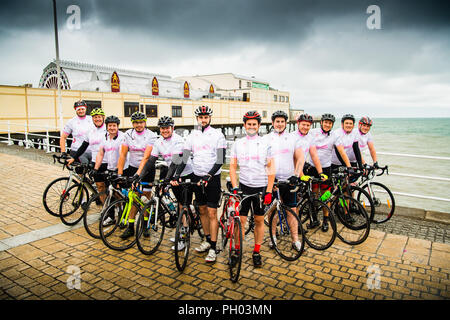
(100, 177)
(212, 194)
(287, 197)
(178, 191)
(312, 171)
(254, 201)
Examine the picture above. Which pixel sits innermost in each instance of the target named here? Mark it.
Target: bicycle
(118, 212)
(76, 196)
(353, 222)
(284, 227)
(231, 229)
(383, 199)
(56, 189)
(314, 214)
(94, 208)
(150, 228)
(250, 225)
(188, 222)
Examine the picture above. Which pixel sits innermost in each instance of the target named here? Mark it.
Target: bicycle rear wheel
(112, 230)
(383, 201)
(284, 226)
(353, 223)
(150, 230)
(53, 193)
(234, 249)
(250, 225)
(313, 217)
(182, 239)
(72, 204)
(92, 215)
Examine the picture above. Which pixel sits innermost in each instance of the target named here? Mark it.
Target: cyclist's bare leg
(101, 188)
(204, 219)
(213, 223)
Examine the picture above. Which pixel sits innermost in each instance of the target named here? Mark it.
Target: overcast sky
(322, 52)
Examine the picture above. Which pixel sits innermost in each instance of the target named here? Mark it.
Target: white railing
(26, 141)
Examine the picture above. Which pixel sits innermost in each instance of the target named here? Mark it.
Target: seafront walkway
(40, 258)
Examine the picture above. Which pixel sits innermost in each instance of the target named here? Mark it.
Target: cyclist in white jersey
(92, 141)
(170, 147)
(78, 127)
(109, 150)
(252, 154)
(207, 146)
(302, 135)
(346, 150)
(138, 144)
(365, 138)
(324, 143)
(289, 158)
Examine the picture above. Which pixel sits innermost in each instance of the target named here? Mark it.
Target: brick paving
(409, 267)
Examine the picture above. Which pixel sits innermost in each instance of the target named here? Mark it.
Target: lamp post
(58, 68)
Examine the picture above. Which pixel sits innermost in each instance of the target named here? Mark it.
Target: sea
(408, 139)
(415, 137)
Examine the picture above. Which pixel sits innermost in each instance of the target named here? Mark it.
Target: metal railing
(27, 135)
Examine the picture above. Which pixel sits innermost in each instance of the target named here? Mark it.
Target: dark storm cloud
(228, 20)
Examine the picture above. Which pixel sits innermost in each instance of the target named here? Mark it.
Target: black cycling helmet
(80, 103)
(279, 113)
(138, 116)
(112, 119)
(166, 121)
(305, 117)
(203, 110)
(366, 120)
(252, 115)
(348, 116)
(328, 116)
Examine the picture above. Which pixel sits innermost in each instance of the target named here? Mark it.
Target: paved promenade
(39, 259)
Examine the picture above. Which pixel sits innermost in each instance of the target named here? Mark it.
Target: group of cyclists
(277, 156)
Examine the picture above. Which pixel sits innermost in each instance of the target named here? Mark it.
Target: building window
(129, 108)
(151, 110)
(282, 98)
(264, 113)
(275, 97)
(249, 84)
(287, 99)
(91, 105)
(240, 84)
(176, 112)
(279, 98)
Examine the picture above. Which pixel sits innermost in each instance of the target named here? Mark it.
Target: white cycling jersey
(78, 128)
(346, 140)
(324, 143)
(137, 143)
(304, 140)
(252, 154)
(363, 139)
(169, 147)
(94, 138)
(283, 147)
(111, 148)
(204, 146)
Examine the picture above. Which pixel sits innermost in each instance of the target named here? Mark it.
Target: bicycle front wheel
(51, 198)
(318, 223)
(72, 204)
(150, 229)
(286, 233)
(234, 249)
(182, 239)
(365, 199)
(92, 214)
(353, 223)
(383, 201)
(115, 230)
